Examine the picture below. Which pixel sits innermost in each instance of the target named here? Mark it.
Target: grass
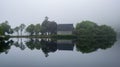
(46, 36)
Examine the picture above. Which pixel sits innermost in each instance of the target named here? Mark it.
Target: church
(65, 29)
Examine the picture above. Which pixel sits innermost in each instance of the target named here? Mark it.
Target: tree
(49, 27)
(6, 28)
(22, 26)
(86, 24)
(44, 26)
(52, 27)
(30, 29)
(37, 29)
(88, 29)
(16, 29)
(11, 31)
(106, 30)
(1, 31)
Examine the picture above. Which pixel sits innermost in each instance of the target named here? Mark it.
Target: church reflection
(65, 45)
(84, 45)
(49, 45)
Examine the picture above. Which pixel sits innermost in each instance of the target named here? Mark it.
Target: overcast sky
(61, 11)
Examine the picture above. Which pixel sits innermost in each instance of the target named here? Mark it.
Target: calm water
(59, 53)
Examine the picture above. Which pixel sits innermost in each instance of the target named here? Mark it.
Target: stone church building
(65, 29)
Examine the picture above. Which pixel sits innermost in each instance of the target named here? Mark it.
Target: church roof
(65, 27)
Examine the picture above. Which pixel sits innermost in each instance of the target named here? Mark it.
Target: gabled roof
(65, 27)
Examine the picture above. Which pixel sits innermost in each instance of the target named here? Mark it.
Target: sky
(61, 11)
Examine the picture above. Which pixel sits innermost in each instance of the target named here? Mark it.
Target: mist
(61, 11)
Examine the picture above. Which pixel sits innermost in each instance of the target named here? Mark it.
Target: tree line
(47, 27)
(84, 28)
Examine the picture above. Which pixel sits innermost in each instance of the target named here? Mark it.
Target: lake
(35, 52)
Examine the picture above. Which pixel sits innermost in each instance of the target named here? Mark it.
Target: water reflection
(33, 44)
(84, 45)
(65, 45)
(19, 44)
(5, 46)
(48, 46)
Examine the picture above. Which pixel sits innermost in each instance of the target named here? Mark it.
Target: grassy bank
(32, 36)
(47, 36)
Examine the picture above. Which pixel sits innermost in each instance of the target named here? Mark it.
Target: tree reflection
(48, 46)
(33, 44)
(84, 44)
(5, 46)
(45, 45)
(87, 45)
(19, 43)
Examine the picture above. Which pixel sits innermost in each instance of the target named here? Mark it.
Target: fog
(61, 11)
